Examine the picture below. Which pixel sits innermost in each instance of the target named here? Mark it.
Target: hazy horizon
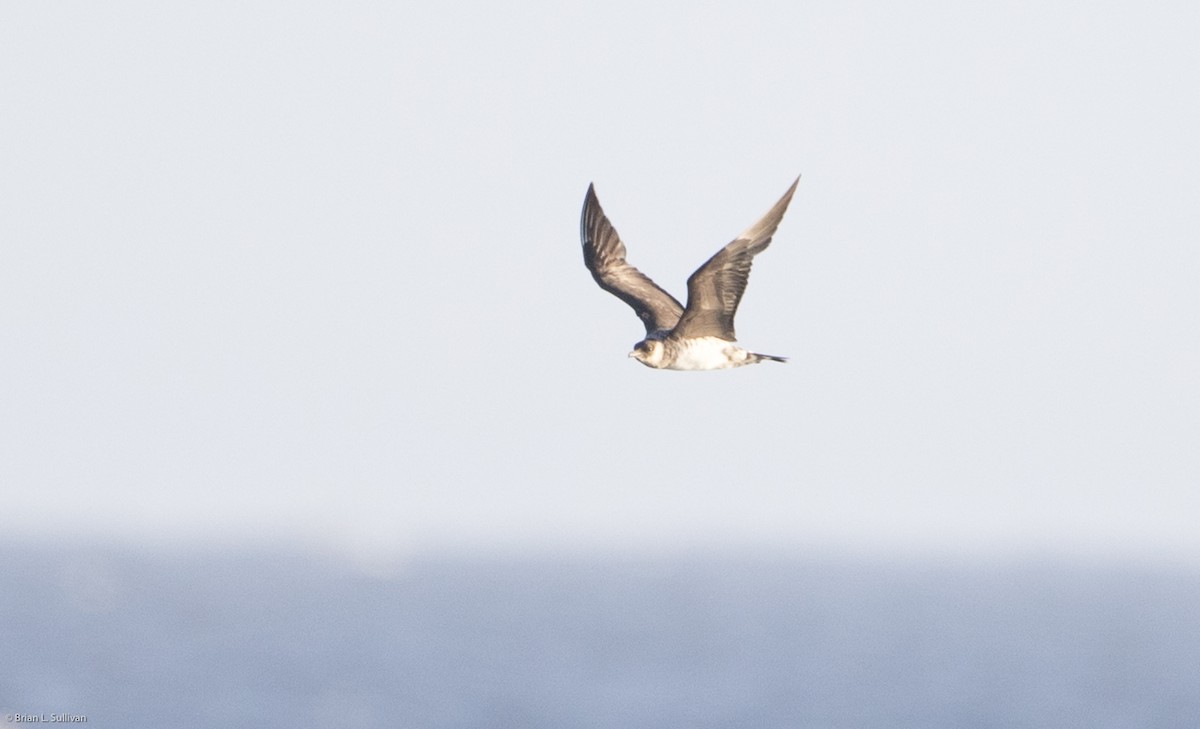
(310, 273)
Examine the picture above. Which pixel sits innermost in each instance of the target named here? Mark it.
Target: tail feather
(773, 358)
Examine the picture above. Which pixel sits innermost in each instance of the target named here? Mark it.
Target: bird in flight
(699, 336)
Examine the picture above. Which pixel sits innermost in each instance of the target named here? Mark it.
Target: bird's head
(649, 352)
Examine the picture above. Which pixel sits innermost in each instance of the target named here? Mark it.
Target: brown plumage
(604, 256)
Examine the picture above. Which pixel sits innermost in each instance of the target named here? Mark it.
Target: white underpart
(708, 353)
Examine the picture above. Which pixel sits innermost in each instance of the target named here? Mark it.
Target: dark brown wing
(604, 255)
(715, 289)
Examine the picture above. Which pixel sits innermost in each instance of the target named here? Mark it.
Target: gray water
(284, 640)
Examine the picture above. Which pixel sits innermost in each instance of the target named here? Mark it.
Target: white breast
(706, 353)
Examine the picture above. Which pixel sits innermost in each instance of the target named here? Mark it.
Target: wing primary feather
(716, 288)
(604, 256)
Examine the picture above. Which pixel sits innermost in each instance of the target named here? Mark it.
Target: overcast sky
(311, 272)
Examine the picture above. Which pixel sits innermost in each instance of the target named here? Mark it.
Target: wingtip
(590, 198)
(766, 225)
(792, 189)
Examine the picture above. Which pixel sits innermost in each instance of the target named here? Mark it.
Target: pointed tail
(760, 357)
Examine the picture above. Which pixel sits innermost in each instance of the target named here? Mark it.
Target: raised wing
(716, 288)
(604, 255)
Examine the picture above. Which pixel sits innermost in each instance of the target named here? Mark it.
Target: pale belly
(707, 353)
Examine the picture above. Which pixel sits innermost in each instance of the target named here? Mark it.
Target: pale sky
(311, 272)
